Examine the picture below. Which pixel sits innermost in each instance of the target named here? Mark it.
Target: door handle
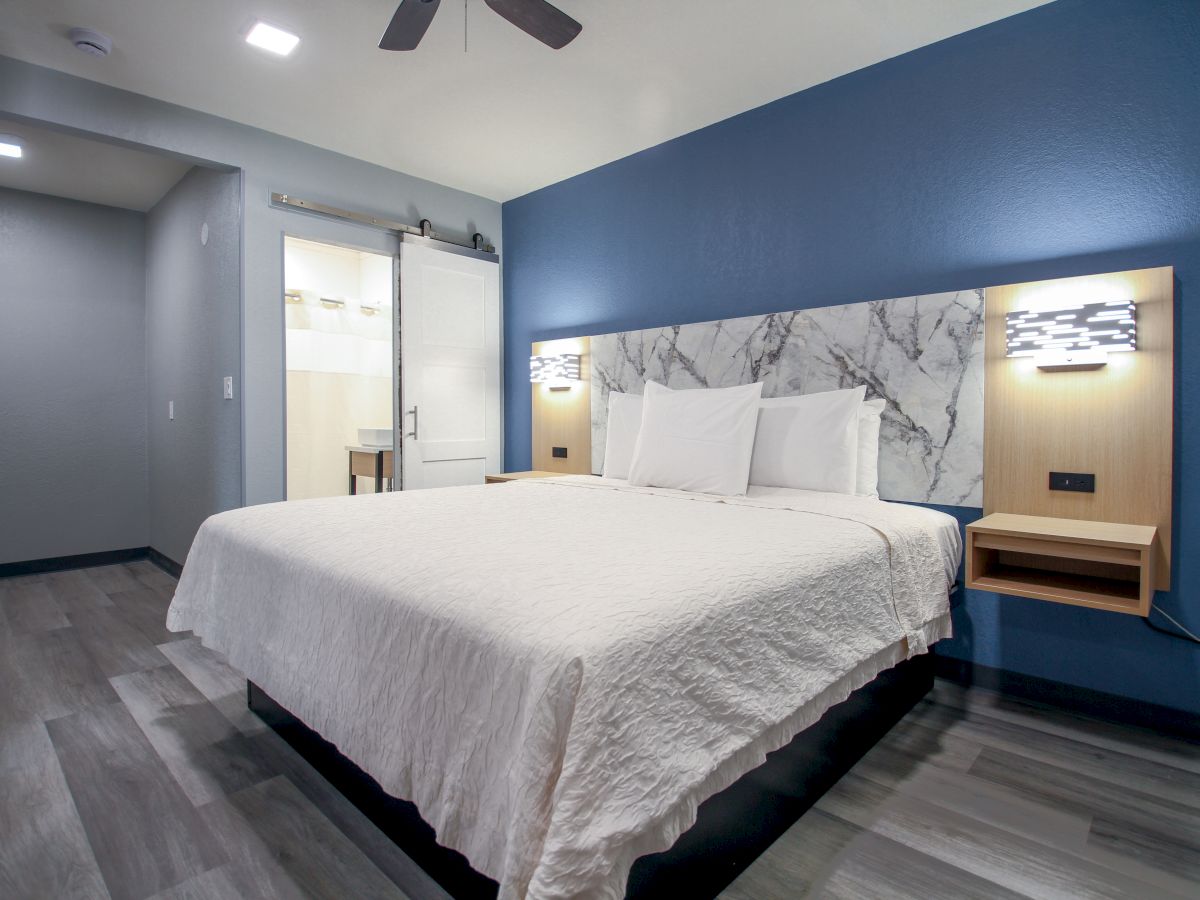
(413, 434)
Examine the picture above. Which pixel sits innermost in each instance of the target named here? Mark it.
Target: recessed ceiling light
(268, 37)
(11, 146)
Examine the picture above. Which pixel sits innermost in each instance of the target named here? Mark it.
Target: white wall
(72, 378)
(193, 300)
(269, 163)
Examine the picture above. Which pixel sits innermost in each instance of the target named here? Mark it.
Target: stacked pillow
(721, 440)
(696, 440)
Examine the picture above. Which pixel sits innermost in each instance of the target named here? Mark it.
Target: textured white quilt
(559, 672)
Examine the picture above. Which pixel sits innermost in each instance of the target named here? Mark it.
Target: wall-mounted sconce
(1073, 336)
(294, 297)
(332, 303)
(367, 309)
(557, 371)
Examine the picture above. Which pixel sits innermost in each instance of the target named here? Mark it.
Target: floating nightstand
(1102, 565)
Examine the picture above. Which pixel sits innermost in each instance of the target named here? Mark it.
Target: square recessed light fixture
(273, 39)
(11, 146)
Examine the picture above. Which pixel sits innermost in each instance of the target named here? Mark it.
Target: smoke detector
(91, 41)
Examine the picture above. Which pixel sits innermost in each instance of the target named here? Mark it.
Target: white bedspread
(559, 672)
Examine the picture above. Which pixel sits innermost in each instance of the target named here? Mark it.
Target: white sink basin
(378, 436)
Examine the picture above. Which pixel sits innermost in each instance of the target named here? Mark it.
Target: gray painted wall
(270, 163)
(193, 325)
(72, 378)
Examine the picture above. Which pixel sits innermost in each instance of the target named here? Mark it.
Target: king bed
(559, 673)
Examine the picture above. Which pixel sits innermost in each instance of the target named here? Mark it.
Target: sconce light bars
(554, 370)
(1081, 335)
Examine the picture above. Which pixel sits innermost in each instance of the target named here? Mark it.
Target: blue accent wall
(1062, 141)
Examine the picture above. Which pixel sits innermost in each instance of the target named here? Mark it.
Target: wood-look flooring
(130, 768)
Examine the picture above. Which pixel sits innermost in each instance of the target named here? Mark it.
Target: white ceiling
(510, 115)
(63, 165)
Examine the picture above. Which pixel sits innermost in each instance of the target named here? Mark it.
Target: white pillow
(869, 414)
(696, 440)
(809, 442)
(624, 423)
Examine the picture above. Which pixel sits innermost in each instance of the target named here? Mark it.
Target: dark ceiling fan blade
(538, 18)
(408, 25)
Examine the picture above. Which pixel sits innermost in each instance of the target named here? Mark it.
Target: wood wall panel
(1115, 421)
(563, 418)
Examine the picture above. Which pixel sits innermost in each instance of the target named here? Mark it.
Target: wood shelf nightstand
(517, 476)
(1098, 564)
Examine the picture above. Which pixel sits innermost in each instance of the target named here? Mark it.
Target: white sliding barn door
(450, 380)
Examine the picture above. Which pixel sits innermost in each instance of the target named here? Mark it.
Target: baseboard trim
(78, 561)
(1070, 698)
(87, 560)
(164, 562)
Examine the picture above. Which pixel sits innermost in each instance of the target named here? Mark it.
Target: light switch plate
(228, 381)
(171, 409)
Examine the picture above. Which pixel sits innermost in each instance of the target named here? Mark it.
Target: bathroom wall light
(1073, 336)
(11, 146)
(557, 371)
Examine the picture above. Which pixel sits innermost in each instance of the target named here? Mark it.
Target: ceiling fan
(538, 18)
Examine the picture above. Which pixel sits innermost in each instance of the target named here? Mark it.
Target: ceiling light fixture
(272, 39)
(11, 146)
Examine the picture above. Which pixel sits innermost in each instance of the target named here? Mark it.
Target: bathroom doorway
(339, 311)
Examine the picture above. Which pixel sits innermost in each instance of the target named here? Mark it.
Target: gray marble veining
(923, 354)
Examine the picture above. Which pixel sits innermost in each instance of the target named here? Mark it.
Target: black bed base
(731, 830)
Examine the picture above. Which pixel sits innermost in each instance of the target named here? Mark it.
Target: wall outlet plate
(1081, 482)
(559, 452)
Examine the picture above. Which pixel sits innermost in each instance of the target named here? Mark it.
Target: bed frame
(731, 830)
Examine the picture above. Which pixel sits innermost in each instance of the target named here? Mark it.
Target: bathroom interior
(338, 308)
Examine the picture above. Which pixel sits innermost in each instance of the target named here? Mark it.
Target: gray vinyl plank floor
(44, 849)
(131, 768)
(31, 608)
(145, 832)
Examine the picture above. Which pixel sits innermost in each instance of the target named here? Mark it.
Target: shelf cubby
(1102, 565)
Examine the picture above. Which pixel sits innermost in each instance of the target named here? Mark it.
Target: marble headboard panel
(923, 354)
